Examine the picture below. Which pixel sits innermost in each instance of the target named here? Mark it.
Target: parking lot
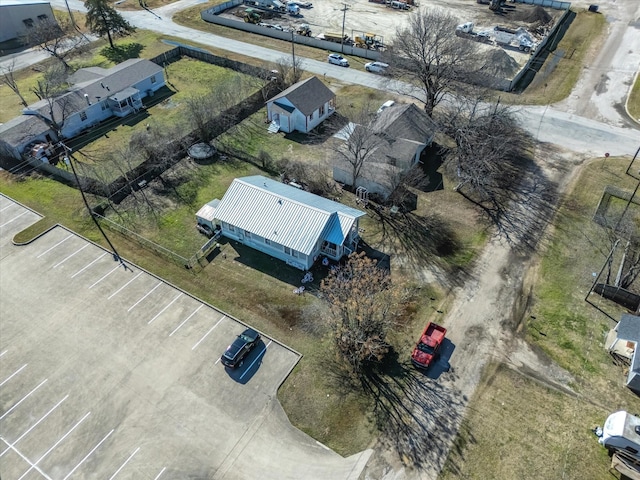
(108, 371)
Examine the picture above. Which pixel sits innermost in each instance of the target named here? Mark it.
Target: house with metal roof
(96, 94)
(398, 135)
(286, 222)
(622, 343)
(301, 107)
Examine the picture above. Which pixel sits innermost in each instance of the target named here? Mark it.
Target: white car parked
(376, 67)
(337, 59)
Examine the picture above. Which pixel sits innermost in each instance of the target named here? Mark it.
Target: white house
(623, 342)
(399, 134)
(18, 16)
(301, 107)
(286, 222)
(96, 94)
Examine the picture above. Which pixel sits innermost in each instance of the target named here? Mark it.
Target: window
(103, 105)
(287, 250)
(311, 116)
(83, 116)
(153, 79)
(231, 228)
(247, 233)
(28, 22)
(321, 111)
(294, 253)
(267, 241)
(43, 18)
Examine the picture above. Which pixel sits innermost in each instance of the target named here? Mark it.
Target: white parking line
(1, 354)
(125, 462)
(256, 359)
(105, 276)
(23, 399)
(123, 287)
(13, 374)
(161, 472)
(14, 218)
(88, 454)
(59, 243)
(162, 311)
(185, 320)
(34, 465)
(145, 296)
(34, 425)
(87, 266)
(8, 206)
(77, 251)
(205, 335)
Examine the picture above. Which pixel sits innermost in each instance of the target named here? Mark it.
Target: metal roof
(289, 216)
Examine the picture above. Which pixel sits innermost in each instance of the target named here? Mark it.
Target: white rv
(621, 432)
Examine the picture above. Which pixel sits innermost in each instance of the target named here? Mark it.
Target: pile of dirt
(536, 15)
(500, 64)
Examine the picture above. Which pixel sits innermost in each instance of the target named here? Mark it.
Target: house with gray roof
(96, 94)
(301, 107)
(622, 342)
(399, 135)
(285, 222)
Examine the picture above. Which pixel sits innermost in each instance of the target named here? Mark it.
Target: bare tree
(8, 74)
(360, 143)
(52, 88)
(428, 52)
(58, 38)
(364, 304)
(287, 71)
(205, 108)
(487, 139)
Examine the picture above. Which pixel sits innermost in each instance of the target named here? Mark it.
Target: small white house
(18, 16)
(287, 223)
(301, 107)
(623, 342)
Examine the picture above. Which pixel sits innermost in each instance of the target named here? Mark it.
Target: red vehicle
(428, 346)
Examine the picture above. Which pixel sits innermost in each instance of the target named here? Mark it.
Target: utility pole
(293, 56)
(345, 7)
(73, 21)
(69, 159)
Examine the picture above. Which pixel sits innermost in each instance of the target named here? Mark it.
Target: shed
(207, 214)
(622, 341)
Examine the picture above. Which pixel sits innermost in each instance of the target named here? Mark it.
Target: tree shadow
(520, 203)
(417, 416)
(426, 240)
(120, 53)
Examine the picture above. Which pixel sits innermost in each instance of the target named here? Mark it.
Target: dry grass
(517, 428)
(633, 104)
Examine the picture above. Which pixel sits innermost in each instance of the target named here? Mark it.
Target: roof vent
(102, 84)
(86, 97)
(280, 201)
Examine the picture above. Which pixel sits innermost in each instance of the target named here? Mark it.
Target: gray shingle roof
(628, 328)
(284, 214)
(404, 121)
(307, 95)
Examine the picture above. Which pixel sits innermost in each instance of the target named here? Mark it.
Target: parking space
(109, 372)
